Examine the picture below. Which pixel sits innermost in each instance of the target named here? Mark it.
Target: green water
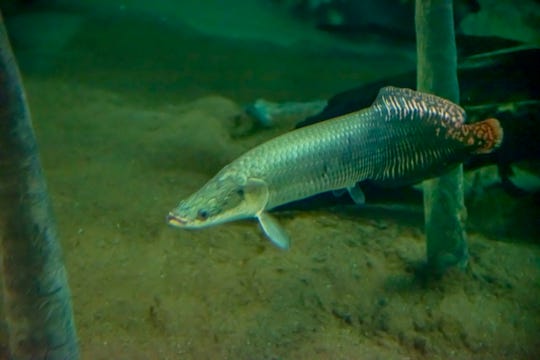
(135, 107)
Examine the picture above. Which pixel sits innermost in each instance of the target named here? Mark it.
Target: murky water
(133, 113)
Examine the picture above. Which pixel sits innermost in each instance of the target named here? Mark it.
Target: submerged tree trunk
(444, 207)
(36, 294)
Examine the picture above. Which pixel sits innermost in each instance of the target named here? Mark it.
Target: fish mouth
(175, 220)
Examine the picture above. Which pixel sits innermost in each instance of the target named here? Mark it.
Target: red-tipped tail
(487, 135)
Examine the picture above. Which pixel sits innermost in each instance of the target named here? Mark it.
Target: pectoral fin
(256, 196)
(273, 230)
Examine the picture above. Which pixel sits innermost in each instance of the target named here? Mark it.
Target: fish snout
(175, 220)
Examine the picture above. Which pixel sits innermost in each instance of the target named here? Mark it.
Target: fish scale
(313, 159)
(404, 137)
(339, 152)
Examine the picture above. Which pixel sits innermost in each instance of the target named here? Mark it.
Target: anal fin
(357, 195)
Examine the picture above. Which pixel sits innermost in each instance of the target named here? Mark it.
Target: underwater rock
(265, 112)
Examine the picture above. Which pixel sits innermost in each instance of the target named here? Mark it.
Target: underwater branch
(37, 300)
(444, 207)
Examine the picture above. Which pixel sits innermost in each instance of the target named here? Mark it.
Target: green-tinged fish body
(404, 137)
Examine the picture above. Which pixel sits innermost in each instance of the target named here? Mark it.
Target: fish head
(227, 197)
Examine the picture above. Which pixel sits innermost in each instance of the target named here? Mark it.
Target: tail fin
(486, 135)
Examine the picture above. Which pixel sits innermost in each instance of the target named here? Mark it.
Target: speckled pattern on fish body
(404, 137)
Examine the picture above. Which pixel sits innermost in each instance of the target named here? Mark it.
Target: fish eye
(240, 192)
(202, 214)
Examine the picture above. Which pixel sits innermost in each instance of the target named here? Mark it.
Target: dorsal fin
(402, 104)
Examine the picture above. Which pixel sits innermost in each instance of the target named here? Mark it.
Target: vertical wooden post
(36, 293)
(444, 207)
